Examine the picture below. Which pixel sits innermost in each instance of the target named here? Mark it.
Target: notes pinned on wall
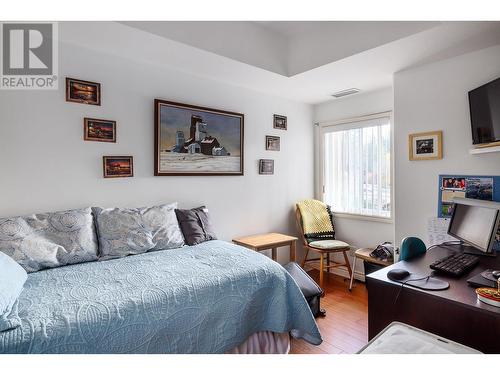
(437, 229)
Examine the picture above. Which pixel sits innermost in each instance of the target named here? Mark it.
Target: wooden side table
(364, 254)
(269, 241)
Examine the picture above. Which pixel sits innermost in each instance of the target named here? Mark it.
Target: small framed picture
(118, 166)
(99, 130)
(266, 166)
(279, 122)
(272, 143)
(84, 92)
(426, 146)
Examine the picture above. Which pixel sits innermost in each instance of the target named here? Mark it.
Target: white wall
(45, 165)
(434, 97)
(357, 232)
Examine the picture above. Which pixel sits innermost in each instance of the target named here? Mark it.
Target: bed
(207, 298)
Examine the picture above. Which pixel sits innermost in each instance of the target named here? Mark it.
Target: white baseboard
(359, 276)
(342, 272)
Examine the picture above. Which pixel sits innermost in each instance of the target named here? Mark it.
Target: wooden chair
(327, 247)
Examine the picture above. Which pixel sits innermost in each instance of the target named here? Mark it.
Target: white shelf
(484, 150)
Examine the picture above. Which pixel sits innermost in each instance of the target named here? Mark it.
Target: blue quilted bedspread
(200, 299)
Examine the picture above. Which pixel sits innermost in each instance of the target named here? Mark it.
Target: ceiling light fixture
(340, 94)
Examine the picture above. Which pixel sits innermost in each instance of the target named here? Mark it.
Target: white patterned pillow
(127, 231)
(49, 240)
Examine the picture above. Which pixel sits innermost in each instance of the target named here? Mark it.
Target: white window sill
(380, 219)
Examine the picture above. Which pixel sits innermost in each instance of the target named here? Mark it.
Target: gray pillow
(12, 279)
(49, 240)
(195, 225)
(127, 231)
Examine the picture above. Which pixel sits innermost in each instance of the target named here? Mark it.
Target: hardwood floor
(345, 327)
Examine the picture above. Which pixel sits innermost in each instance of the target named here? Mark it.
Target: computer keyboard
(456, 264)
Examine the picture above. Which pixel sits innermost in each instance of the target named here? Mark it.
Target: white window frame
(345, 124)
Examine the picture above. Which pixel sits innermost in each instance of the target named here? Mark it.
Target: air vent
(342, 93)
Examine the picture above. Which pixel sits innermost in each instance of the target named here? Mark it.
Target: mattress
(400, 338)
(207, 298)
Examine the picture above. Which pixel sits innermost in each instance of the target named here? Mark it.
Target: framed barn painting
(197, 141)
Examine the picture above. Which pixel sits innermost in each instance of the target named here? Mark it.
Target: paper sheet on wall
(437, 229)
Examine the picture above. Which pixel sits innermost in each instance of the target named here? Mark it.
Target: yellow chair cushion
(329, 244)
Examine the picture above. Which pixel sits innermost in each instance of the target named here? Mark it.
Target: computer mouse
(397, 274)
(495, 274)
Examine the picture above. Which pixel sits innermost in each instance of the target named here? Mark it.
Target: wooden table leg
(305, 258)
(293, 251)
(321, 269)
(274, 251)
(352, 274)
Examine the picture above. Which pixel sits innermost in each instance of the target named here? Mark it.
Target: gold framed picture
(426, 146)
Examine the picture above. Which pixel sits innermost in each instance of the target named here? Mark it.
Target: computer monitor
(475, 222)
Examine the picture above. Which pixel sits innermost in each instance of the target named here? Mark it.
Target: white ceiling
(291, 28)
(284, 47)
(246, 42)
(302, 61)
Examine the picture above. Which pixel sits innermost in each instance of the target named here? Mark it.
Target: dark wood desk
(455, 313)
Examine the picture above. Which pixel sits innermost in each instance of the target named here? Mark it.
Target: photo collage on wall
(463, 187)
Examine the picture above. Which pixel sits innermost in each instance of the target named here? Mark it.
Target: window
(356, 158)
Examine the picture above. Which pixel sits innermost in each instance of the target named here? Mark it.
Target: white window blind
(357, 167)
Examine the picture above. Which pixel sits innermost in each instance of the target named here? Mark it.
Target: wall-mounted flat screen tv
(484, 103)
